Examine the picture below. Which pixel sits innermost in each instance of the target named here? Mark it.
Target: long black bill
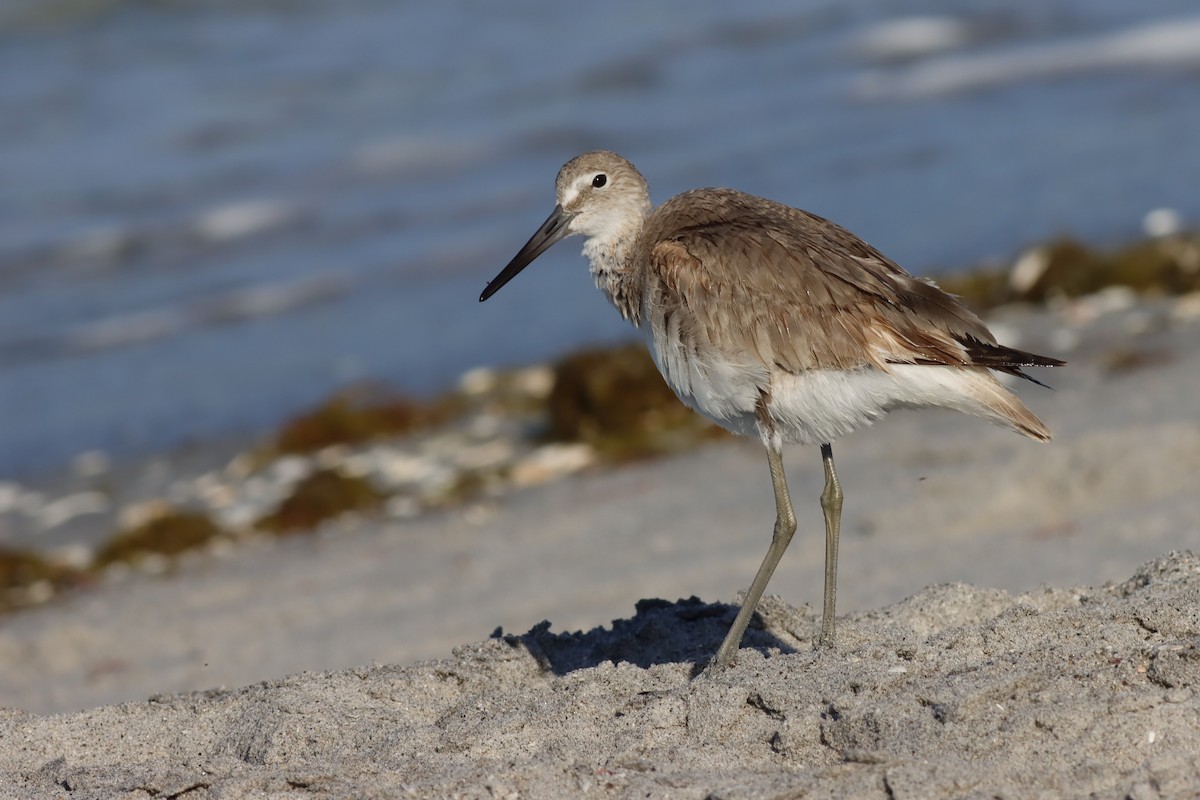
(553, 229)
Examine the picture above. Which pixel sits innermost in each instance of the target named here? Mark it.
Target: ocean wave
(156, 324)
(1171, 43)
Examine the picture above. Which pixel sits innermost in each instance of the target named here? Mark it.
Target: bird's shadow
(660, 632)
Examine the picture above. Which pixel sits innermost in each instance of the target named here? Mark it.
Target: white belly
(812, 407)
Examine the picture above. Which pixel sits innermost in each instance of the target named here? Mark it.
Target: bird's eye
(599, 181)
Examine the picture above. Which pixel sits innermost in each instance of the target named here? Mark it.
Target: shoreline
(931, 497)
(1054, 271)
(502, 430)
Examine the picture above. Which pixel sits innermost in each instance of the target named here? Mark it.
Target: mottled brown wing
(798, 291)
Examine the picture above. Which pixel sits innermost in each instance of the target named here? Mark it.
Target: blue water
(214, 213)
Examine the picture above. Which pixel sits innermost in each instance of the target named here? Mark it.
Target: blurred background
(213, 214)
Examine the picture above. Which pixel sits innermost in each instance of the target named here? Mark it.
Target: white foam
(238, 220)
(909, 37)
(271, 298)
(148, 325)
(1169, 43)
(1162, 222)
(127, 329)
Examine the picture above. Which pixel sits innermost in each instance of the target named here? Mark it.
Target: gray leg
(785, 526)
(831, 504)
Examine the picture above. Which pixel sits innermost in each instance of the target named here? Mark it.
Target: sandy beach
(1017, 620)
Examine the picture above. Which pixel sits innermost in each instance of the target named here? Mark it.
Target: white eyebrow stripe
(570, 193)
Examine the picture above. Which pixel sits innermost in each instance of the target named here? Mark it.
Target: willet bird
(776, 323)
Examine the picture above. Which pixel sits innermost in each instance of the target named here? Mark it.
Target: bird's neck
(616, 271)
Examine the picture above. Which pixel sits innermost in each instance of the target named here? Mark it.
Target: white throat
(611, 264)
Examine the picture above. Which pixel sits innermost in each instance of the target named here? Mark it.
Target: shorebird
(778, 324)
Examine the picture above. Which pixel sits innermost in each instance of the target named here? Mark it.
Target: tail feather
(1003, 407)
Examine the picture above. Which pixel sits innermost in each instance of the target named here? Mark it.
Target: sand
(1055, 652)
(956, 692)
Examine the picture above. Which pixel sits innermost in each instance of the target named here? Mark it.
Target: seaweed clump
(616, 400)
(1065, 267)
(27, 578)
(356, 415)
(323, 495)
(169, 534)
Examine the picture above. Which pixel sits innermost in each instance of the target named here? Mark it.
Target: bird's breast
(718, 385)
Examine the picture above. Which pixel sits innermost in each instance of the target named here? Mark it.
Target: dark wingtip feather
(1017, 372)
(1007, 359)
